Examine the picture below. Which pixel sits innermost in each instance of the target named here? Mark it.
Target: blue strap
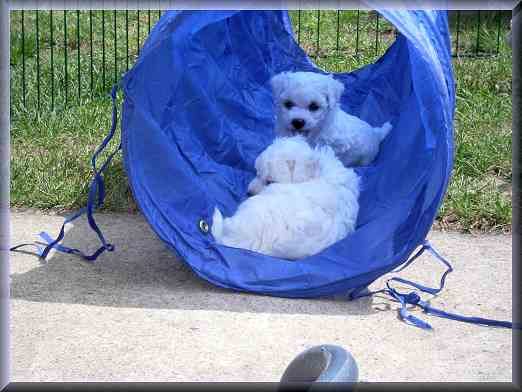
(95, 200)
(473, 320)
(405, 299)
(426, 246)
(38, 252)
(412, 298)
(363, 292)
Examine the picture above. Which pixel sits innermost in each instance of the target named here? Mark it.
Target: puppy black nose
(298, 123)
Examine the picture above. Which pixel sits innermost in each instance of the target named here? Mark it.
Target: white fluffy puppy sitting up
(307, 103)
(306, 200)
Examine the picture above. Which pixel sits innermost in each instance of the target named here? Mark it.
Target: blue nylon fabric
(198, 110)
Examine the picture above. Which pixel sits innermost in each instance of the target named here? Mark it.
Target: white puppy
(307, 103)
(307, 200)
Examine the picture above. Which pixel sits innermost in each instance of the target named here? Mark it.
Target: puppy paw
(255, 186)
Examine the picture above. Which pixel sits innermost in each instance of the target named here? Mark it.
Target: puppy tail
(217, 225)
(384, 130)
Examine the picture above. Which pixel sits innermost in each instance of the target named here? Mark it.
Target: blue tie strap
(413, 298)
(95, 199)
(39, 249)
(474, 320)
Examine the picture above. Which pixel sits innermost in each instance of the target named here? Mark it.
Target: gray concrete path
(141, 315)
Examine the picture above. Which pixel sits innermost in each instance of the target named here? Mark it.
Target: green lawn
(51, 149)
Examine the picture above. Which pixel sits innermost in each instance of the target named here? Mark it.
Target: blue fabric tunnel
(198, 110)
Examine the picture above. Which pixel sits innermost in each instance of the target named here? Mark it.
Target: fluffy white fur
(306, 200)
(287, 160)
(307, 103)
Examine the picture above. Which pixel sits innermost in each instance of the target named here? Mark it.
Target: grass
(51, 148)
(479, 195)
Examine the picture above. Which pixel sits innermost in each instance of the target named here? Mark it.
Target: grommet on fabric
(203, 226)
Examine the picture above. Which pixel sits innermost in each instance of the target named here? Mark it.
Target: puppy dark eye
(313, 107)
(289, 104)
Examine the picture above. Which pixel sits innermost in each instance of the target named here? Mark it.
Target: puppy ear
(334, 91)
(269, 171)
(312, 169)
(262, 166)
(278, 83)
(259, 164)
(291, 164)
(255, 186)
(291, 167)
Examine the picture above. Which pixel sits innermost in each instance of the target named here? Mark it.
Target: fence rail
(64, 58)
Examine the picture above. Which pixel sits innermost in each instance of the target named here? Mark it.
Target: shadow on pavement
(143, 273)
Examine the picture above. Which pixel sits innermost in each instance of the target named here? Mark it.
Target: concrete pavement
(141, 315)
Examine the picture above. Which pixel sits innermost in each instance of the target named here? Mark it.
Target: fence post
(5, 154)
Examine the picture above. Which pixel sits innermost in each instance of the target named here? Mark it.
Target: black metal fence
(60, 58)
(64, 58)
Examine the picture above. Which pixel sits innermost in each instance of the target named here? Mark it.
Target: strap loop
(95, 198)
(413, 298)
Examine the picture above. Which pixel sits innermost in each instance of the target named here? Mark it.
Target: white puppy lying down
(307, 103)
(306, 200)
